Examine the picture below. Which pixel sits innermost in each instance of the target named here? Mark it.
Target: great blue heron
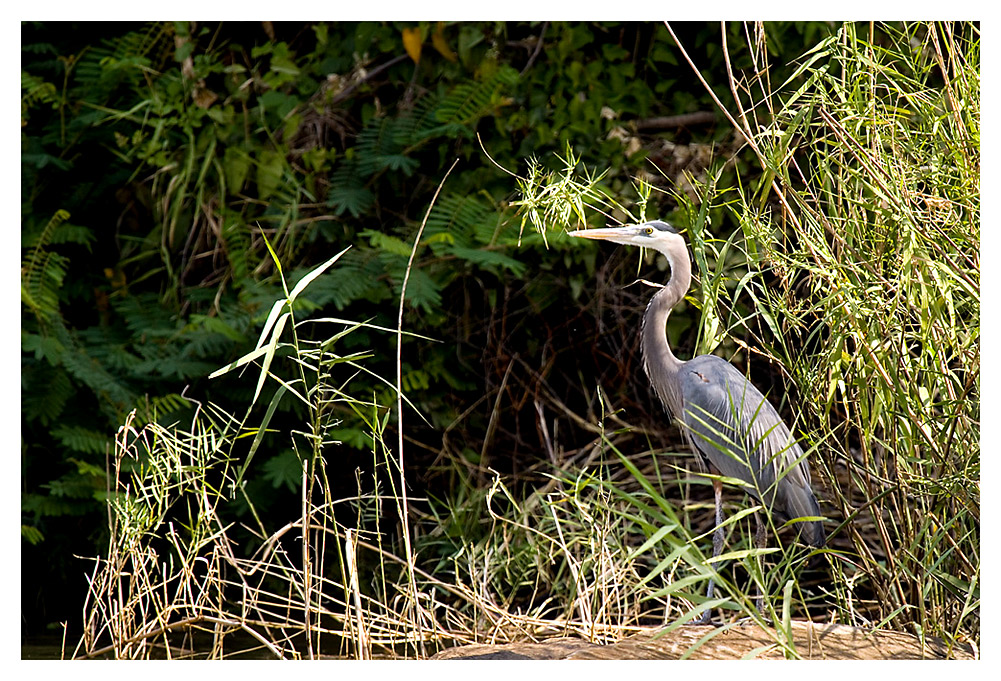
(736, 432)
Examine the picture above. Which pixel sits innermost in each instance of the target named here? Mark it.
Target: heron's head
(655, 234)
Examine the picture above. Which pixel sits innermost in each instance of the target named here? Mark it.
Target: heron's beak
(622, 235)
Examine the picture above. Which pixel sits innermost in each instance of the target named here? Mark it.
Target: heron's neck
(658, 360)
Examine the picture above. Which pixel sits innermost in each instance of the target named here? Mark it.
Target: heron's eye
(648, 231)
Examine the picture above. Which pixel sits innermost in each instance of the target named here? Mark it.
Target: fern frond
(43, 347)
(348, 192)
(104, 67)
(381, 143)
(490, 260)
(144, 315)
(68, 233)
(471, 225)
(422, 291)
(32, 535)
(356, 277)
(44, 392)
(55, 503)
(460, 216)
(236, 239)
(152, 41)
(386, 242)
(208, 340)
(159, 407)
(81, 439)
(40, 284)
(86, 369)
(467, 103)
(40, 48)
(35, 91)
(42, 272)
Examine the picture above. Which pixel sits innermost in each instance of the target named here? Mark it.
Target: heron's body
(758, 450)
(731, 425)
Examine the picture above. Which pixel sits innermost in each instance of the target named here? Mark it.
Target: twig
(733, 84)
(492, 423)
(679, 121)
(538, 48)
(402, 506)
(189, 622)
(307, 575)
(368, 76)
(545, 431)
(498, 165)
(350, 550)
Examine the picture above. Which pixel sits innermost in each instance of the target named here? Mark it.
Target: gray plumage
(759, 450)
(729, 423)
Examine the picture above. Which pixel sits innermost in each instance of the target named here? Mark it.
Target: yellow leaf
(438, 40)
(412, 42)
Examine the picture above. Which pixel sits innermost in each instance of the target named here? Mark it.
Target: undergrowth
(844, 278)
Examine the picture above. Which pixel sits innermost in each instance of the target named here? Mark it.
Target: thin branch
(368, 76)
(679, 121)
(538, 49)
(402, 506)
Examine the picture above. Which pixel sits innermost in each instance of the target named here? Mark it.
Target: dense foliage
(155, 157)
(160, 162)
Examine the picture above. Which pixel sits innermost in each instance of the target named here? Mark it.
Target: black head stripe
(663, 226)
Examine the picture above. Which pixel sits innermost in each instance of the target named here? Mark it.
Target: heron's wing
(738, 431)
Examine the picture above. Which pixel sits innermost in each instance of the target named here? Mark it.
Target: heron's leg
(760, 539)
(717, 546)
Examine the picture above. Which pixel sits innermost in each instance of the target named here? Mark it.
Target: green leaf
(284, 469)
(236, 166)
(387, 242)
(269, 354)
(270, 168)
(261, 430)
(313, 274)
(32, 535)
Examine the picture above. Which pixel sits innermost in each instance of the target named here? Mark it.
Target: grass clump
(869, 287)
